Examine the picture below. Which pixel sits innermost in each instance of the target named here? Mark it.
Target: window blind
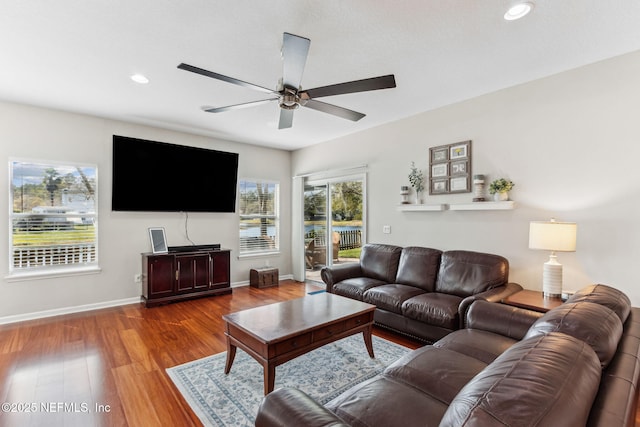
(53, 216)
(259, 220)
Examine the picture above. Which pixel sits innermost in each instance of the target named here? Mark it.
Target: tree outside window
(53, 216)
(259, 220)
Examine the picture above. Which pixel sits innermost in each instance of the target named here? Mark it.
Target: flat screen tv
(150, 176)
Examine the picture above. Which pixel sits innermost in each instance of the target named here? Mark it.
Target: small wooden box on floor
(263, 277)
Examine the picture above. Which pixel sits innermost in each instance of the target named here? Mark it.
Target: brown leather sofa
(576, 365)
(420, 291)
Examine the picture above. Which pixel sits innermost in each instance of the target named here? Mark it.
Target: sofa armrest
(492, 295)
(291, 407)
(338, 273)
(501, 292)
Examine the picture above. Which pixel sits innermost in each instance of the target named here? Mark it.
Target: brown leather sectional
(420, 291)
(576, 365)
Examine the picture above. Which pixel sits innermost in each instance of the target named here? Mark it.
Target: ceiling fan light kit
(290, 95)
(289, 100)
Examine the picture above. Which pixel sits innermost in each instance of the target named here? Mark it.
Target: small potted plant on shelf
(417, 181)
(500, 189)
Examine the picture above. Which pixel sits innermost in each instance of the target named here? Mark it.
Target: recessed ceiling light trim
(518, 11)
(139, 78)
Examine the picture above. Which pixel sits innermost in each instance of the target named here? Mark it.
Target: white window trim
(53, 272)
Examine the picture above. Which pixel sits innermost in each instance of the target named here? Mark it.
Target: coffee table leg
(367, 341)
(231, 354)
(269, 377)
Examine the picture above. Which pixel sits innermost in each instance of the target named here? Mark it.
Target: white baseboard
(246, 282)
(96, 306)
(67, 310)
(240, 284)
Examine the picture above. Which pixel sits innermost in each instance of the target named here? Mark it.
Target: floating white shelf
(482, 206)
(417, 208)
(476, 206)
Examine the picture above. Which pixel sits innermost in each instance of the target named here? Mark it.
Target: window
(53, 217)
(259, 221)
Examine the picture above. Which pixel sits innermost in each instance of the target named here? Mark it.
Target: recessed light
(139, 78)
(518, 11)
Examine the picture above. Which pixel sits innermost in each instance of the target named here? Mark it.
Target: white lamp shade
(553, 236)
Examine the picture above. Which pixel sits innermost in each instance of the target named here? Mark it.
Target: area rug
(233, 400)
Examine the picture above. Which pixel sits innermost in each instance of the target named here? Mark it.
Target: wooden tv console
(177, 276)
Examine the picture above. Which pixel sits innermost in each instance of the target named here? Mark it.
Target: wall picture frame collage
(450, 168)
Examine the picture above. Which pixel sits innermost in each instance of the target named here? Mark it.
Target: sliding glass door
(333, 222)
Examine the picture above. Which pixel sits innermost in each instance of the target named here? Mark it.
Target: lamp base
(552, 278)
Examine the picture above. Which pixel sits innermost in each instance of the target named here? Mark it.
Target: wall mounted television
(150, 176)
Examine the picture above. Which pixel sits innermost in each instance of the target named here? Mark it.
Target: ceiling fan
(289, 93)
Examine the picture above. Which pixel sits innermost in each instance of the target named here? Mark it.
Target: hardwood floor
(107, 367)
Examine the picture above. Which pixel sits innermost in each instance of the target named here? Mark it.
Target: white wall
(35, 133)
(570, 142)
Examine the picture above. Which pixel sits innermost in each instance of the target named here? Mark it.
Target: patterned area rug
(233, 400)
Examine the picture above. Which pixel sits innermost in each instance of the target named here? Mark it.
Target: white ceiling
(77, 55)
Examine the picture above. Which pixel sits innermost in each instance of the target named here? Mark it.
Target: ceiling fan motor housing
(289, 99)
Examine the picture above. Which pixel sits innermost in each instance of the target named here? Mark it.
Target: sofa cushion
(300, 410)
(481, 345)
(390, 297)
(465, 273)
(502, 319)
(381, 401)
(356, 287)
(617, 400)
(614, 405)
(607, 296)
(438, 372)
(548, 380)
(434, 308)
(419, 267)
(380, 261)
(592, 323)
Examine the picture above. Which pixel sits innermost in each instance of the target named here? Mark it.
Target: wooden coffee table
(276, 333)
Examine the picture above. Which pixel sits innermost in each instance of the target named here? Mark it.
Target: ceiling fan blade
(294, 57)
(217, 76)
(334, 109)
(238, 106)
(374, 83)
(286, 119)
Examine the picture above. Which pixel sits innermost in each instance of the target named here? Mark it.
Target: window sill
(258, 254)
(52, 273)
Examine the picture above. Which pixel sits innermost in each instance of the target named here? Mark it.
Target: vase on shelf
(404, 195)
(478, 188)
(416, 179)
(500, 189)
(501, 196)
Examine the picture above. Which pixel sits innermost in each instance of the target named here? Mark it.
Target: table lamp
(555, 237)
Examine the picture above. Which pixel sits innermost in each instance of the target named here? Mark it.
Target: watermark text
(53, 407)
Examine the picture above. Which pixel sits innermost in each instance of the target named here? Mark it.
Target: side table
(263, 277)
(532, 300)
